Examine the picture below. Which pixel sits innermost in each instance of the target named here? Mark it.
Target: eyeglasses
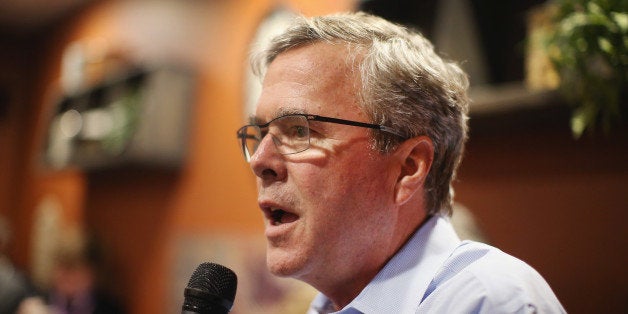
(291, 133)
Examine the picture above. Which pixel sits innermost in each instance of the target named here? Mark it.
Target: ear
(415, 155)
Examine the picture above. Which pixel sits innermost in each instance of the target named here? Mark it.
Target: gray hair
(405, 85)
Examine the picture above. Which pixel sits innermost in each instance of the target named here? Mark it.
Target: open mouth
(279, 216)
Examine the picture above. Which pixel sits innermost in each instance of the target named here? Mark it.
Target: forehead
(316, 78)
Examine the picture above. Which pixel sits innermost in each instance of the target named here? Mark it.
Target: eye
(299, 131)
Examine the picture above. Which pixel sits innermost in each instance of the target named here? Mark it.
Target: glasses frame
(309, 117)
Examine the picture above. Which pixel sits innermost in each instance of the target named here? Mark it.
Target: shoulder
(482, 278)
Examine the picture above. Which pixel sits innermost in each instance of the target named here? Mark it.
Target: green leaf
(621, 19)
(578, 124)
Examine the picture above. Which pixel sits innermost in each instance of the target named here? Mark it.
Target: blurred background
(120, 172)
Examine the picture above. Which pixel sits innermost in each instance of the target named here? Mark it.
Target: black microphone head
(211, 290)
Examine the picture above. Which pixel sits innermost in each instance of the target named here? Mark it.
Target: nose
(267, 163)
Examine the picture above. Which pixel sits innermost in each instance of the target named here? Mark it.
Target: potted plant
(588, 47)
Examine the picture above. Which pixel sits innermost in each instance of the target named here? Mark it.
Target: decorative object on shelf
(139, 118)
(588, 46)
(540, 73)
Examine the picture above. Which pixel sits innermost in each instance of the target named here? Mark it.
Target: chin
(283, 264)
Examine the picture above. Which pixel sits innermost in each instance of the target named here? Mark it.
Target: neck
(342, 290)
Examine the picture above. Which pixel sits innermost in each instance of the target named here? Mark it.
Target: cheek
(320, 186)
(343, 192)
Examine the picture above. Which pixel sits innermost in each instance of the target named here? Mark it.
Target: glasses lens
(291, 134)
(250, 137)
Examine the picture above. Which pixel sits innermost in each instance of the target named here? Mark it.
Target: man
(355, 141)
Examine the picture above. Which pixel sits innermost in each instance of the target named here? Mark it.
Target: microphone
(211, 290)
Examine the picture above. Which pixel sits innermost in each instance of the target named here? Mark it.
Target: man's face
(326, 209)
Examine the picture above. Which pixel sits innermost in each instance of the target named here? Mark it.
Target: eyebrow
(253, 119)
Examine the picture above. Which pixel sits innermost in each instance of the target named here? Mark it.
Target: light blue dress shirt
(435, 272)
